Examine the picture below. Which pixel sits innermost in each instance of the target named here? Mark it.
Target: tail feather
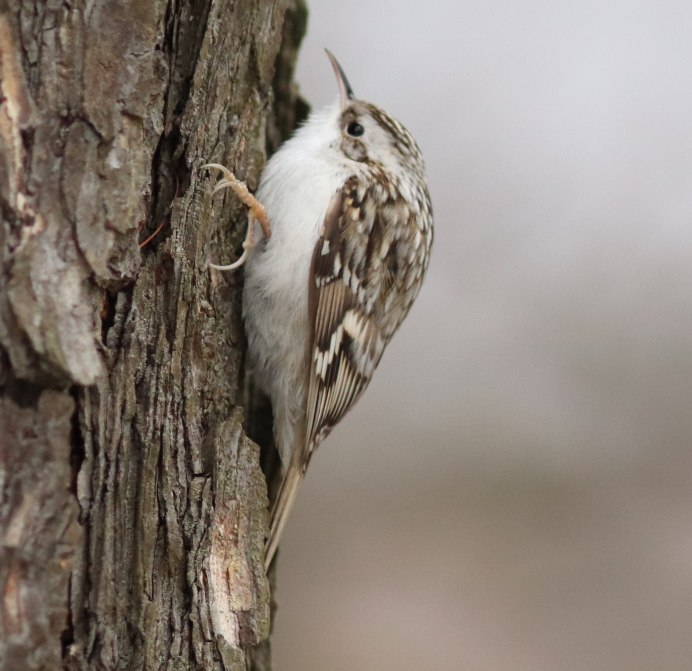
(283, 505)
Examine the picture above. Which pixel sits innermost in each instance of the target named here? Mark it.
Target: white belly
(296, 188)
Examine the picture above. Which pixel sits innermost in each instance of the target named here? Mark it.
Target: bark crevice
(134, 509)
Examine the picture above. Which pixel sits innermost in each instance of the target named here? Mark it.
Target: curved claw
(217, 166)
(256, 212)
(230, 266)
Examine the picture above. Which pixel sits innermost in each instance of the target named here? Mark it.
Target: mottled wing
(360, 290)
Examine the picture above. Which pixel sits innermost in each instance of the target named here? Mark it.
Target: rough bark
(133, 507)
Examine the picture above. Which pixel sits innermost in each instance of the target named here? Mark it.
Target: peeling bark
(133, 509)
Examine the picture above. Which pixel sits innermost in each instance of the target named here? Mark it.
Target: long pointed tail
(282, 508)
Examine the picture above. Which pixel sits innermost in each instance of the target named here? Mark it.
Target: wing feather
(367, 267)
(345, 344)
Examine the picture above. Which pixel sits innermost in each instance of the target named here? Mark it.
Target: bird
(347, 227)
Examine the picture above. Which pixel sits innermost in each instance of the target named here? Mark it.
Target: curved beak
(345, 91)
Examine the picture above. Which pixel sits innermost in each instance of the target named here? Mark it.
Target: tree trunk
(133, 507)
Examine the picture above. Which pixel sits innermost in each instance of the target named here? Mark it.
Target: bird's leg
(256, 212)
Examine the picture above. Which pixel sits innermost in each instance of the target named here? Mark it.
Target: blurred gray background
(514, 490)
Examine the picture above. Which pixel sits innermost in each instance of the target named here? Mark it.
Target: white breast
(296, 187)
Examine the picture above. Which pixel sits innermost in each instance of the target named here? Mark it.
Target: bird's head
(366, 133)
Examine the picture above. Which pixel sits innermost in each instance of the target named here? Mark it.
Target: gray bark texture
(132, 505)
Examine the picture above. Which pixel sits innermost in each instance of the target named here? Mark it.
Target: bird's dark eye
(355, 129)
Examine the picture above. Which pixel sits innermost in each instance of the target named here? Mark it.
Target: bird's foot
(256, 212)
